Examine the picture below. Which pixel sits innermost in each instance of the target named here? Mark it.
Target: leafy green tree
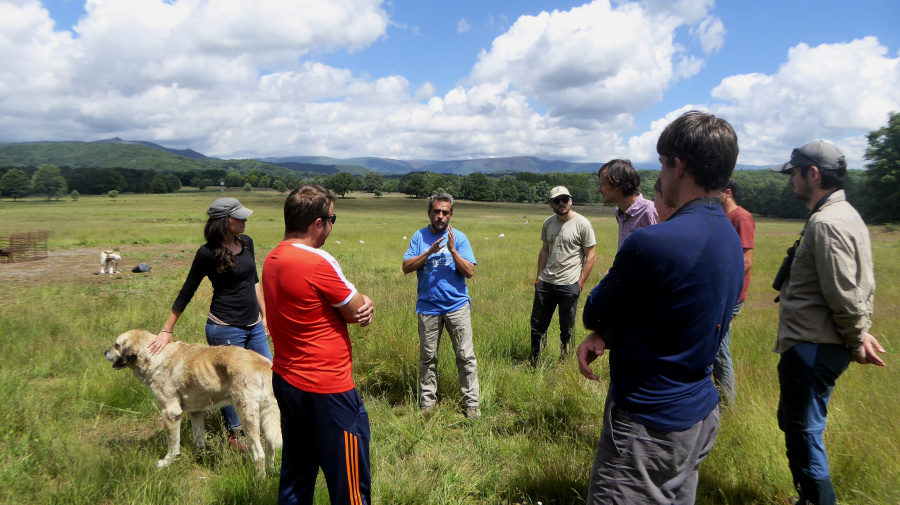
(265, 181)
(341, 183)
(158, 185)
(113, 194)
(279, 186)
(391, 186)
(883, 176)
(234, 180)
(248, 188)
(173, 183)
(477, 186)
(415, 184)
(372, 182)
(74, 195)
(542, 191)
(15, 184)
(49, 180)
(377, 193)
(252, 180)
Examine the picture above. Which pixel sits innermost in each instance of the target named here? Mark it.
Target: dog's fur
(193, 378)
(109, 261)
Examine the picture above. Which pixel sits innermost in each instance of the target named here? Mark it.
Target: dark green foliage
(341, 183)
(15, 184)
(883, 176)
(158, 185)
(49, 180)
(172, 182)
(372, 182)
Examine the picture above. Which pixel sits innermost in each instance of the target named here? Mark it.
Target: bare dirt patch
(82, 266)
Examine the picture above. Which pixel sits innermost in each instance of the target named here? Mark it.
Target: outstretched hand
(588, 351)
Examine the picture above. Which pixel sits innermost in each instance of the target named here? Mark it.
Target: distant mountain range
(116, 152)
(185, 153)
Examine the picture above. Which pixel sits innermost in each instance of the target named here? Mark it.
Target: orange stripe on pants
(352, 457)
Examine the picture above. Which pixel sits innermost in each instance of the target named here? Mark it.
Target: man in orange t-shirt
(323, 420)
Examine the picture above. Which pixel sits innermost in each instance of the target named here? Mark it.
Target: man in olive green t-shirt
(564, 264)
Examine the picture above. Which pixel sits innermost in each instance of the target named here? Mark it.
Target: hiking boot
(473, 412)
(236, 442)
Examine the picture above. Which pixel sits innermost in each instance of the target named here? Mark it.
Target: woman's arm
(165, 336)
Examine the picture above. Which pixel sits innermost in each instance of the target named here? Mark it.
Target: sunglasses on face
(559, 200)
(331, 218)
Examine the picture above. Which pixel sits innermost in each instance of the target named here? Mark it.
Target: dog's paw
(165, 461)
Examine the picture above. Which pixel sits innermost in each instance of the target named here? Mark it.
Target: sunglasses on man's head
(331, 218)
(559, 200)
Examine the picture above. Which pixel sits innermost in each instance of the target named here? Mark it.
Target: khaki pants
(459, 327)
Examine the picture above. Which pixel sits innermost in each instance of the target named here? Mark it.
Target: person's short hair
(732, 186)
(440, 197)
(622, 175)
(705, 143)
(657, 186)
(304, 205)
(830, 179)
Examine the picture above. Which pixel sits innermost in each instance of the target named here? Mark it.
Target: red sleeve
(330, 281)
(746, 229)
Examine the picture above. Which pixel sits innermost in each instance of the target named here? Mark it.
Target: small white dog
(109, 261)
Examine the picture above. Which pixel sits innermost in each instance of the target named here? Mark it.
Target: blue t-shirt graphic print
(441, 288)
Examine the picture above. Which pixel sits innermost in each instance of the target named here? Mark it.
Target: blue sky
(432, 79)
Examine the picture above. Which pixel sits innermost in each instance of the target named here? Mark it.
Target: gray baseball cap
(819, 154)
(228, 207)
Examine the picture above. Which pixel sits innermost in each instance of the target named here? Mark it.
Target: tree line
(875, 192)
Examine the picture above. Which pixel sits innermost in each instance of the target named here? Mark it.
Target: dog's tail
(270, 416)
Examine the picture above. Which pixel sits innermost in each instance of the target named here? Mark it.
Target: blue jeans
(723, 368)
(807, 373)
(248, 337)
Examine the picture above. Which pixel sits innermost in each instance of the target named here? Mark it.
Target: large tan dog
(193, 378)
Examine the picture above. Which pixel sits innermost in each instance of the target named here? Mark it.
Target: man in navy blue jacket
(662, 311)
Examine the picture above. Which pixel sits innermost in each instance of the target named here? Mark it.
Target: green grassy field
(73, 430)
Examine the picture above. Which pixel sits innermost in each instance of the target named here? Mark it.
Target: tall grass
(72, 430)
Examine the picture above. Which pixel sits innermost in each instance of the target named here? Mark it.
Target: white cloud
(462, 26)
(711, 33)
(189, 73)
(239, 79)
(837, 92)
(596, 61)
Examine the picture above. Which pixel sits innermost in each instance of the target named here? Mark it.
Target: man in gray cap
(564, 264)
(827, 285)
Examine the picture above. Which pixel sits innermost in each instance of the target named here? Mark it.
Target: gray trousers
(459, 327)
(636, 464)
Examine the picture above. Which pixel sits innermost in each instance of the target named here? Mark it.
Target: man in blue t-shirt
(443, 259)
(662, 311)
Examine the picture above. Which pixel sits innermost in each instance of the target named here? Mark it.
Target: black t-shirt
(234, 292)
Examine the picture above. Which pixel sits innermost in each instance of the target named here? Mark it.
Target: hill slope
(120, 154)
